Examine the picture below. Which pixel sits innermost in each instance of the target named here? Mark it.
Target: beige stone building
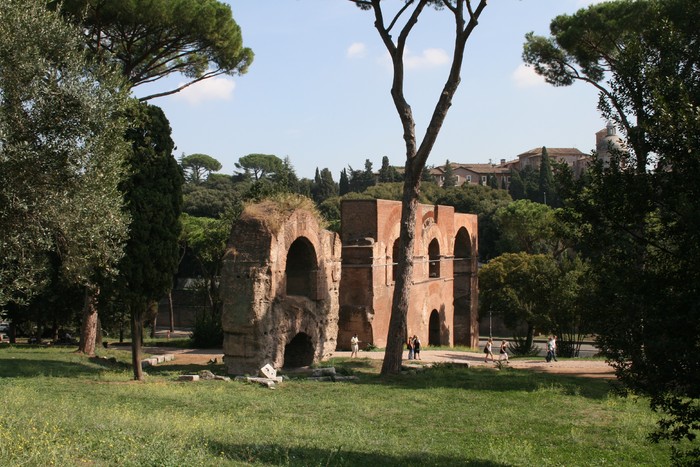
(475, 174)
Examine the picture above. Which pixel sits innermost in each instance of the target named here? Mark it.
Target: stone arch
(434, 329)
(434, 258)
(301, 268)
(462, 287)
(299, 351)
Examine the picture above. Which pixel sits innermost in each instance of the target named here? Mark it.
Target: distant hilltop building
(607, 140)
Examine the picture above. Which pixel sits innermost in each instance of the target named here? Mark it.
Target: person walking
(409, 345)
(354, 346)
(488, 350)
(551, 349)
(503, 352)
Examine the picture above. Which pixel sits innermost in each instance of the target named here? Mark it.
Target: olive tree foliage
(204, 239)
(61, 155)
(394, 28)
(521, 289)
(639, 219)
(529, 227)
(151, 39)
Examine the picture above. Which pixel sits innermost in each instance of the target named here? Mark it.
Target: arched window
(395, 259)
(464, 321)
(434, 259)
(434, 329)
(301, 268)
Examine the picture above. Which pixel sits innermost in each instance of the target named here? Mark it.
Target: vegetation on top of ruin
(274, 210)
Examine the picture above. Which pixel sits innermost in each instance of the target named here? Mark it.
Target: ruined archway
(301, 268)
(279, 287)
(299, 351)
(434, 329)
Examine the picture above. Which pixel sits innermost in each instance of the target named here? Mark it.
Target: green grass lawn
(59, 408)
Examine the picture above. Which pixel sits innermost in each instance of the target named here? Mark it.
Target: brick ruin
(287, 303)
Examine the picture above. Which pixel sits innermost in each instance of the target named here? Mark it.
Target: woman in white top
(354, 345)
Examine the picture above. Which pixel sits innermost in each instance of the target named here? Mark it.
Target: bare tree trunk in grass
(88, 328)
(170, 309)
(136, 336)
(466, 19)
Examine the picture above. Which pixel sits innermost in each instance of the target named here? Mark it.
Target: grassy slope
(63, 409)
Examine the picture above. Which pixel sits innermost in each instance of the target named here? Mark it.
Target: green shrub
(207, 332)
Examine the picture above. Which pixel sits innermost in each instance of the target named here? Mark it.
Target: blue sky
(318, 90)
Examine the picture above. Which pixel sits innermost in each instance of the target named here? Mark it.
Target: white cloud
(212, 89)
(356, 50)
(525, 77)
(430, 58)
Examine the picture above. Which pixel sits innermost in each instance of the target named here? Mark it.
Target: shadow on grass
(75, 366)
(275, 454)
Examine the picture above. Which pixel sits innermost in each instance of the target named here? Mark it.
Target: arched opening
(434, 259)
(462, 287)
(434, 329)
(299, 352)
(395, 259)
(301, 268)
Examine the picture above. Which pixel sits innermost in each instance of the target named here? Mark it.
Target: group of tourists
(551, 350)
(413, 346)
(488, 351)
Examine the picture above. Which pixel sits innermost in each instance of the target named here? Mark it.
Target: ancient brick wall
(286, 303)
(441, 278)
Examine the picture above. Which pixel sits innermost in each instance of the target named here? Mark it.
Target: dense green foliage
(520, 288)
(153, 193)
(483, 201)
(151, 39)
(61, 156)
(637, 217)
(528, 227)
(516, 417)
(198, 167)
(449, 178)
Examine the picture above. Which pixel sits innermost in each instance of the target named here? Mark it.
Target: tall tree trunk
(88, 329)
(136, 335)
(153, 327)
(530, 338)
(171, 310)
(98, 334)
(416, 156)
(402, 288)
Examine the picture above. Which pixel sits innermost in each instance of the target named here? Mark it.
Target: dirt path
(574, 367)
